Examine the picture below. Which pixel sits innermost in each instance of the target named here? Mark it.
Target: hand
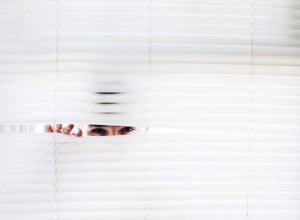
(66, 130)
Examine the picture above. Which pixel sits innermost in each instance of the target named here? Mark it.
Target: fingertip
(70, 126)
(67, 129)
(58, 128)
(77, 132)
(48, 128)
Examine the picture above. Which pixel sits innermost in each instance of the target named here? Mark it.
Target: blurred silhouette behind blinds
(224, 71)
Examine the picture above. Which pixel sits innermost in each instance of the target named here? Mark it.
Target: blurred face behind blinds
(96, 129)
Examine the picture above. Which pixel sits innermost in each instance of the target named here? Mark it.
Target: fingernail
(77, 130)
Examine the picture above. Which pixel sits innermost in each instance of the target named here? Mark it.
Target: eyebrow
(108, 93)
(98, 126)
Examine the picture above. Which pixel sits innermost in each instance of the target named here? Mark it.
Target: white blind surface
(225, 70)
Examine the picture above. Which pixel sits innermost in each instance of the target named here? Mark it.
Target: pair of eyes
(123, 131)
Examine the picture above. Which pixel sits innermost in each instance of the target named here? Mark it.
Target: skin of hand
(96, 130)
(66, 130)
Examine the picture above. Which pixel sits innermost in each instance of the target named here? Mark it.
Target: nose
(112, 130)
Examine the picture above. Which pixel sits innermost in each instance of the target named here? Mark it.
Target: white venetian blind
(226, 71)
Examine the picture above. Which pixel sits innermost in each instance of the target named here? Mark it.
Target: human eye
(126, 130)
(99, 131)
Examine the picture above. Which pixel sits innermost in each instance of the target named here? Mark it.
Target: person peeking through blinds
(96, 129)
